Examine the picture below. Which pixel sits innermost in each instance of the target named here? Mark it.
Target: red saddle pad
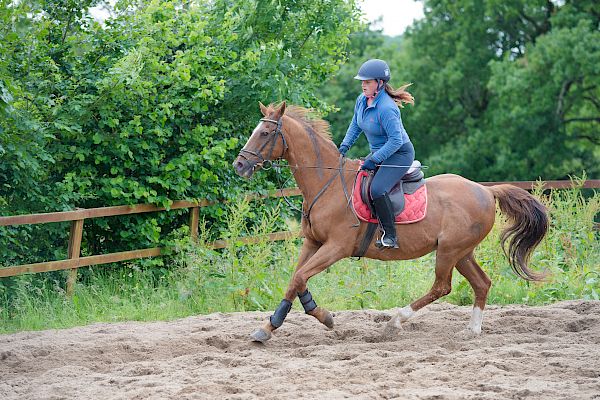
(415, 208)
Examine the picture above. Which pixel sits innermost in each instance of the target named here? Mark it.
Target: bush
(150, 107)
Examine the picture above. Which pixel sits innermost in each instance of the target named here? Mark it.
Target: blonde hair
(400, 95)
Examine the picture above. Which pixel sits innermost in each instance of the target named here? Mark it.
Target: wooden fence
(78, 217)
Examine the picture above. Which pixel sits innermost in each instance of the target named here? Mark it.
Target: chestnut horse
(460, 214)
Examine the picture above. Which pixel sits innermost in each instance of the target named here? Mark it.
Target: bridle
(264, 160)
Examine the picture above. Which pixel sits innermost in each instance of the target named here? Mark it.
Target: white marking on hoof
(394, 325)
(395, 322)
(476, 319)
(405, 313)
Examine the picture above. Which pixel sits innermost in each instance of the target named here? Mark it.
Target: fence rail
(78, 217)
(90, 213)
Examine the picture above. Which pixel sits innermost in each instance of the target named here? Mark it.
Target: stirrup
(386, 243)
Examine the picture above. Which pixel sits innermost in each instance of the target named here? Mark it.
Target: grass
(242, 278)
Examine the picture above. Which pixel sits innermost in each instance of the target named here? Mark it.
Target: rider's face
(369, 87)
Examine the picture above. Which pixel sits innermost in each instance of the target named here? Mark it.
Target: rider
(376, 113)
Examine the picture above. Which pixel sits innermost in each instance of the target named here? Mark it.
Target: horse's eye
(265, 133)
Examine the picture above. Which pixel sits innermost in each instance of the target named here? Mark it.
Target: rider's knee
(377, 192)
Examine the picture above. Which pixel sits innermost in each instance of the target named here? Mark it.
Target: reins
(324, 188)
(273, 164)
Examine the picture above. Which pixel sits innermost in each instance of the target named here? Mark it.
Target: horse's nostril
(238, 165)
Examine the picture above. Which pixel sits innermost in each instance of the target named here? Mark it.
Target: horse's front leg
(309, 248)
(322, 258)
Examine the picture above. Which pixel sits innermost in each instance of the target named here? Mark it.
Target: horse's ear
(263, 109)
(281, 109)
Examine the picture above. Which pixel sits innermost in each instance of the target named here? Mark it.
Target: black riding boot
(385, 214)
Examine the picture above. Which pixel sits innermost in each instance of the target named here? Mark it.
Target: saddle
(408, 196)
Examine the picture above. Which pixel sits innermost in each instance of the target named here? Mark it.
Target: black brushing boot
(385, 214)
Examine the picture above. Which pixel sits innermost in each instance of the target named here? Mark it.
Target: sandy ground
(550, 352)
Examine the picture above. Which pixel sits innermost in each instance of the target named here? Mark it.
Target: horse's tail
(529, 224)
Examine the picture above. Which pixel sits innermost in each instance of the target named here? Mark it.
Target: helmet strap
(380, 85)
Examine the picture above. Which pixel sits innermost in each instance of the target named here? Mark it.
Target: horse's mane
(308, 118)
(314, 126)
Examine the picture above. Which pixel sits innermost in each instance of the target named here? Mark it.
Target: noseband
(262, 160)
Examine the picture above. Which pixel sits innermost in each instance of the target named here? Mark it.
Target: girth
(408, 184)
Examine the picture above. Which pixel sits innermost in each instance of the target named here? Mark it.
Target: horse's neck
(312, 160)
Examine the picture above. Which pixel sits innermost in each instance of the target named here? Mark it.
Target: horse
(460, 214)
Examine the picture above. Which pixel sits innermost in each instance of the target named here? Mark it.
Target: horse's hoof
(467, 333)
(393, 327)
(260, 335)
(328, 320)
(323, 316)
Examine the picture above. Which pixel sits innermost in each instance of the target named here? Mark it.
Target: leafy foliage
(552, 127)
(149, 107)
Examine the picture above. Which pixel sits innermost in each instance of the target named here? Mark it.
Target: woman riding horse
(376, 113)
(460, 214)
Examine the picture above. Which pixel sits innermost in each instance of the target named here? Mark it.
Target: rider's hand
(368, 165)
(343, 150)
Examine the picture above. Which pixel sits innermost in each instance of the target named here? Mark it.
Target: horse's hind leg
(444, 263)
(480, 283)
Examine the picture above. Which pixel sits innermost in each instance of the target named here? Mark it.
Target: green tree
(488, 109)
(553, 98)
(24, 159)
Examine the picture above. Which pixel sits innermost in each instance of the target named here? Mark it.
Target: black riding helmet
(374, 69)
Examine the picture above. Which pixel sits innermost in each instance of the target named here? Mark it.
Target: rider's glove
(343, 150)
(368, 165)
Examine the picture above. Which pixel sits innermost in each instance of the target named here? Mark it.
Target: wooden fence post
(194, 217)
(74, 252)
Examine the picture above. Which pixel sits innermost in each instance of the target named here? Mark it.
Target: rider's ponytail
(400, 95)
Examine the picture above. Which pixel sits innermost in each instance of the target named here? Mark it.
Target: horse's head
(266, 143)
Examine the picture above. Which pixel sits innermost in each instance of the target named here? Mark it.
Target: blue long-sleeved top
(381, 123)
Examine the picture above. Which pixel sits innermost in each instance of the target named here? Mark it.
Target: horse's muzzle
(244, 168)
